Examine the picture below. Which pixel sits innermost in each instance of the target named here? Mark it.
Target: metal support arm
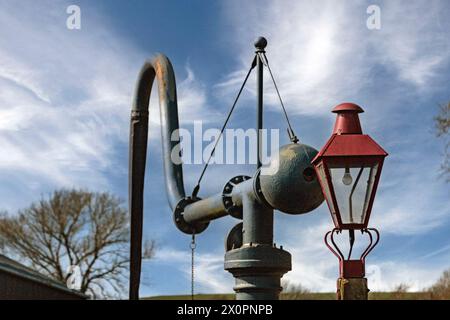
(218, 205)
(205, 210)
(193, 215)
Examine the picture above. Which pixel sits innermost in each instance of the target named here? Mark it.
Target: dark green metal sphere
(260, 43)
(289, 182)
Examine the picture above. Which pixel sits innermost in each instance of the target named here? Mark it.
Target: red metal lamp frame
(348, 145)
(351, 268)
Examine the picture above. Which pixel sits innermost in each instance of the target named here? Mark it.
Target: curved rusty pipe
(161, 68)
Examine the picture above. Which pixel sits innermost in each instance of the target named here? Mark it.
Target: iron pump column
(257, 265)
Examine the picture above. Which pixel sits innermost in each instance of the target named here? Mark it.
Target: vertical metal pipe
(259, 116)
(260, 44)
(258, 221)
(257, 265)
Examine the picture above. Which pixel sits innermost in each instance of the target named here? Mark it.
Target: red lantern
(348, 168)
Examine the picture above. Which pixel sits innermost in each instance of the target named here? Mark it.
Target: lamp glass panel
(353, 186)
(325, 187)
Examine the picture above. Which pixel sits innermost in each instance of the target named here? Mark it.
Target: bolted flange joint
(182, 225)
(257, 189)
(230, 207)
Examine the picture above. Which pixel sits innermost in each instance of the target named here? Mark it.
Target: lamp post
(348, 168)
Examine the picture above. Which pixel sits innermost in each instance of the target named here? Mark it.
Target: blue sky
(65, 99)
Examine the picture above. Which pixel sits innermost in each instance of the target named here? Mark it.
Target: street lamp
(348, 168)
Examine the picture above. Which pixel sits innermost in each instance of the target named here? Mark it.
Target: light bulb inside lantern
(347, 178)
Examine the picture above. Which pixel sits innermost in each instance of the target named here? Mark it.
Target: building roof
(17, 269)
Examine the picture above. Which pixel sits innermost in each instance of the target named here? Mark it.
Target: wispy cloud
(65, 99)
(322, 53)
(192, 104)
(413, 40)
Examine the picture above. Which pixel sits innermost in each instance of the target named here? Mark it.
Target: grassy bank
(306, 296)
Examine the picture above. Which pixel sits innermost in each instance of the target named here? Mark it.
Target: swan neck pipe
(161, 68)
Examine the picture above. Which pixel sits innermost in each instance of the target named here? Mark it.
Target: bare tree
(294, 291)
(74, 228)
(441, 289)
(442, 127)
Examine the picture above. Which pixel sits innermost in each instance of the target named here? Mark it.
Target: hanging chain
(291, 133)
(193, 246)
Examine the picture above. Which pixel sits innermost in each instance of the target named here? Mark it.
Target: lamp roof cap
(347, 107)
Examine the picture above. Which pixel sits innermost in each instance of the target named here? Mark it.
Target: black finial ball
(260, 43)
